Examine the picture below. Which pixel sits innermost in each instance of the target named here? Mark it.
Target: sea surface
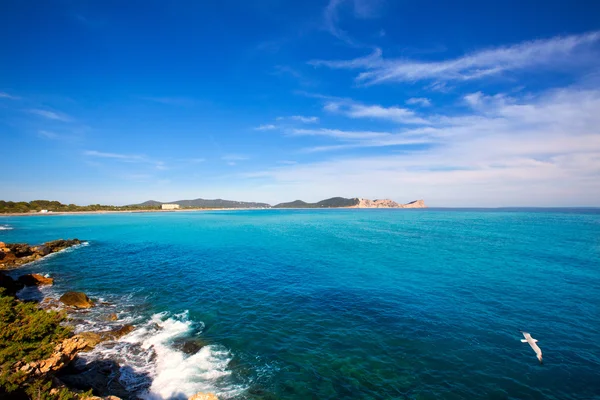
(337, 304)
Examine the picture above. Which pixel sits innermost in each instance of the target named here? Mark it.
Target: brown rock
(58, 245)
(35, 280)
(112, 317)
(117, 333)
(20, 249)
(203, 396)
(76, 299)
(63, 354)
(91, 338)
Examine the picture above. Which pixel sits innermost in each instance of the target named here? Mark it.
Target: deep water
(341, 304)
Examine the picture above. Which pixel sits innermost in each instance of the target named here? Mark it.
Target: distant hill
(203, 203)
(334, 202)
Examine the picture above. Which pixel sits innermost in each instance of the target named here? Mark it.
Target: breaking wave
(5, 227)
(153, 368)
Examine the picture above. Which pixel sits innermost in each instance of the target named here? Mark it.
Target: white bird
(532, 342)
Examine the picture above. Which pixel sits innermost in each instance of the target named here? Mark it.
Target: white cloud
(305, 120)
(48, 134)
(116, 156)
(50, 115)
(267, 127)
(541, 150)
(556, 52)
(362, 9)
(4, 95)
(356, 110)
(419, 101)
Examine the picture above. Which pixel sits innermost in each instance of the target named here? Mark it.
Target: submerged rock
(35, 280)
(112, 317)
(76, 299)
(189, 346)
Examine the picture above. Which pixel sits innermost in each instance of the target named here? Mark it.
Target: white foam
(5, 228)
(148, 361)
(67, 250)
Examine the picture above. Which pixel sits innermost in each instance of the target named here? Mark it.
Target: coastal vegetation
(334, 202)
(28, 334)
(11, 207)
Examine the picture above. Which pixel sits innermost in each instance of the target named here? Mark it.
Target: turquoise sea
(338, 304)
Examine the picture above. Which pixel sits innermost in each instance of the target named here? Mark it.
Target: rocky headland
(14, 255)
(37, 344)
(386, 203)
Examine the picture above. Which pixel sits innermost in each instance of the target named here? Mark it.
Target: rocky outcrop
(35, 280)
(415, 204)
(76, 299)
(14, 255)
(386, 203)
(203, 396)
(94, 338)
(63, 354)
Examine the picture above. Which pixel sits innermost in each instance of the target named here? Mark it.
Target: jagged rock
(16, 254)
(91, 338)
(60, 244)
(63, 354)
(35, 280)
(76, 299)
(117, 333)
(203, 396)
(20, 249)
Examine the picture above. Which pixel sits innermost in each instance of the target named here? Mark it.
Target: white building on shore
(170, 206)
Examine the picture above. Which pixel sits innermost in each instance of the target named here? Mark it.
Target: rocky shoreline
(58, 373)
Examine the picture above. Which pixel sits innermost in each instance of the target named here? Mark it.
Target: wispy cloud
(361, 9)
(48, 134)
(266, 127)
(4, 95)
(539, 150)
(551, 53)
(356, 110)
(300, 118)
(419, 101)
(116, 156)
(232, 159)
(50, 115)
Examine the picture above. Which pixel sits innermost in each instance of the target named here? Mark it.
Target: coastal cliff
(387, 203)
(355, 202)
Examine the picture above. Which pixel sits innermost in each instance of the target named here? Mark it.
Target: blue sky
(463, 103)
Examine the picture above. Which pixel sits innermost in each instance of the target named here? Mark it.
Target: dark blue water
(345, 304)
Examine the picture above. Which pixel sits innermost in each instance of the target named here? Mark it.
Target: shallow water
(333, 304)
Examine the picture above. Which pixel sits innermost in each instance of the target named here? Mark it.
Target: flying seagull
(532, 342)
